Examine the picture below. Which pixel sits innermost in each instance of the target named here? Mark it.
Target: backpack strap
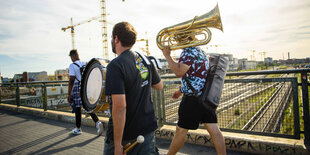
(144, 58)
(191, 87)
(147, 61)
(76, 65)
(79, 70)
(209, 72)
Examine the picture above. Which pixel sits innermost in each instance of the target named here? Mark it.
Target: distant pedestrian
(74, 93)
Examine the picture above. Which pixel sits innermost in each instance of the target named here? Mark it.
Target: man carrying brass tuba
(192, 67)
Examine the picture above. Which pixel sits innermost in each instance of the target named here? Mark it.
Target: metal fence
(45, 95)
(251, 102)
(260, 106)
(271, 103)
(50, 95)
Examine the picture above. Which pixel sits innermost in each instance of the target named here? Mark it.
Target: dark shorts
(192, 113)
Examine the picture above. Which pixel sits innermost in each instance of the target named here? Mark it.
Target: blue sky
(31, 38)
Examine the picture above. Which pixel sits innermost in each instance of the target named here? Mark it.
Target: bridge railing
(271, 103)
(251, 102)
(264, 106)
(46, 95)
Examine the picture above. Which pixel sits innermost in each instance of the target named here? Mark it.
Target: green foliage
(237, 112)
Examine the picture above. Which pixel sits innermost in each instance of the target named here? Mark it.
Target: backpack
(81, 69)
(211, 94)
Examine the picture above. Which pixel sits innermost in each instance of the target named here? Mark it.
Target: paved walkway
(27, 134)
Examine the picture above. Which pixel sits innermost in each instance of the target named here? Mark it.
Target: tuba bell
(193, 32)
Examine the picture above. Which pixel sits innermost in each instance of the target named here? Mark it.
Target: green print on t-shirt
(142, 68)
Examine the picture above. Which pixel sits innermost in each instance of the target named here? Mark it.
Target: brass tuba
(178, 36)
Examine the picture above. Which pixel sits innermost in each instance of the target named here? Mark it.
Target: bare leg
(217, 138)
(178, 140)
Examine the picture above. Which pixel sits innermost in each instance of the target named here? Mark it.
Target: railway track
(254, 116)
(264, 123)
(264, 118)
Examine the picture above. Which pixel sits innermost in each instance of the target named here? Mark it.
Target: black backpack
(81, 70)
(211, 93)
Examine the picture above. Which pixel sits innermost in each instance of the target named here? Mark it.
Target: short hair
(126, 33)
(73, 52)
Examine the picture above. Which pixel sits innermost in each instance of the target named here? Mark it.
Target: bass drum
(93, 85)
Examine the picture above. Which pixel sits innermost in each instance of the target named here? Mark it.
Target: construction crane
(146, 49)
(253, 56)
(103, 18)
(263, 55)
(104, 29)
(77, 24)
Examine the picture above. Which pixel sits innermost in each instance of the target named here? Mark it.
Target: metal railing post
(163, 109)
(0, 93)
(305, 102)
(158, 100)
(17, 95)
(296, 108)
(44, 97)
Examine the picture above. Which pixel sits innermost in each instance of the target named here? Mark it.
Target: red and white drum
(93, 85)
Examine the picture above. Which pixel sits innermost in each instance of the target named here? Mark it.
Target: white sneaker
(99, 127)
(77, 131)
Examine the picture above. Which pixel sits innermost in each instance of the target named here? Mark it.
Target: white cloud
(33, 28)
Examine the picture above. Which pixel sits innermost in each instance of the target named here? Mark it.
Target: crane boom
(104, 28)
(77, 24)
(80, 23)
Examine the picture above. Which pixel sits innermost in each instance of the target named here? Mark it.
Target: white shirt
(75, 70)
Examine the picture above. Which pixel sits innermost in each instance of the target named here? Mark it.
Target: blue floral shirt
(197, 73)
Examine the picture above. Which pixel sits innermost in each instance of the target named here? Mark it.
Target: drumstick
(126, 146)
(140, 139)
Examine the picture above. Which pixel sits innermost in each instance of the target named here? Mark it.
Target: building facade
(62, 74)
(31, 76)
(268, 60)
(245, 64)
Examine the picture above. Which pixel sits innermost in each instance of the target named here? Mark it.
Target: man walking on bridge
(192, 67)
(130, 77)
(74, 93)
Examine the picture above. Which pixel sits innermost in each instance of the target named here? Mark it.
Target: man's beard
(113, 47)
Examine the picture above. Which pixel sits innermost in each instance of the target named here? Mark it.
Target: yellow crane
(146, 49)
(253, 56)
(104, 28)
(71, 27)
(263, 55)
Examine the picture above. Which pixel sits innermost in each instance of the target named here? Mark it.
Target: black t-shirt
(128, 74)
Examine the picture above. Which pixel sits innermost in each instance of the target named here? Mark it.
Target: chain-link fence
(264, 105)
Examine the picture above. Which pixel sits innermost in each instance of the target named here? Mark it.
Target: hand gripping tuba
(177, 36)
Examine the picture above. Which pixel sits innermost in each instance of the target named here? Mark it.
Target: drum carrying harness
(81, 70)
(211, 93)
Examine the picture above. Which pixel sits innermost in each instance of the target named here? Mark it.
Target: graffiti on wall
(231, 143)
(34, 102)
(38, 103)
